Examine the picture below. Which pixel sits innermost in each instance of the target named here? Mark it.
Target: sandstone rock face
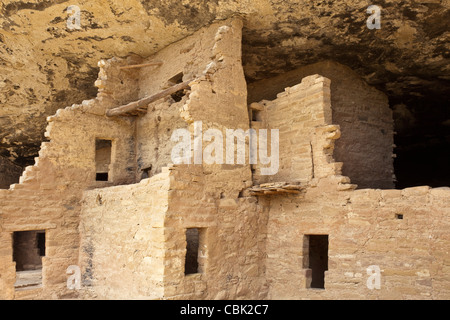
(45, 66)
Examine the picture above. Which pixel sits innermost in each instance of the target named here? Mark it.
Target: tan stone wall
(296, 112)
(153, 132)
(363, 114)
(122, 240)
(363, 230)
(217, 97)
(232, 251)
(207, 196)
(49, 193)
(199, 196)
(9, 173)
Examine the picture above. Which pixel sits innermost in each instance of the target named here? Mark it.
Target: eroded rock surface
(45, 66)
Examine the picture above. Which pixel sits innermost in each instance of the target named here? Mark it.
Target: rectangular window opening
(194, 256)
(102, 159)
(316, 259)
(28, 250)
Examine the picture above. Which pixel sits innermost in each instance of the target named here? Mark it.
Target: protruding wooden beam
(133, 66)
(276, 188)
(143, 103)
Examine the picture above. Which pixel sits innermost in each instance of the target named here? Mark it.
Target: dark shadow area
(422, 144)
(317, 259)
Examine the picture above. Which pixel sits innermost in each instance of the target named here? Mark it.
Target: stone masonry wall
(153, 132)
(122, 240)
(48, 195)
(364, 230)
(232, 251)
(362, 113)
(296, 112)
(217, 96)
(208, 196)
(199, 195)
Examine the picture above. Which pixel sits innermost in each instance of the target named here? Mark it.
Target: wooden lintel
(133, 106)
(134, 66)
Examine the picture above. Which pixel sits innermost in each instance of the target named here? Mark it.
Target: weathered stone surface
(128, 233)
(45, 66)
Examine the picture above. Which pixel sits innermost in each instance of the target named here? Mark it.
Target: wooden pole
(133, 106)
(156, 63)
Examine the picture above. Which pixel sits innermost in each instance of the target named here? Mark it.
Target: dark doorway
(317, 259)
(192, 245)
(28, 250)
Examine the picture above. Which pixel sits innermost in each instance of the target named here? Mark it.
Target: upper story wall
(302, 114)
(217, 96)
(366, 144)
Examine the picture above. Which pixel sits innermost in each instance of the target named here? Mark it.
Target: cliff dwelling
(360, 180)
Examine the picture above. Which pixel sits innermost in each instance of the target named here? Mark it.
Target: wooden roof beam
(143, 103)
(134, 66)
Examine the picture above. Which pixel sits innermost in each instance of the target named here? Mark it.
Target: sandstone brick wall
(122, 248)
(363, 114)
(232, 250)
(363, 230)
(208, 196)
(49, 193)
(217, 97)
(134, 243)
(153, 133)
(9, 173)
(296, 112)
